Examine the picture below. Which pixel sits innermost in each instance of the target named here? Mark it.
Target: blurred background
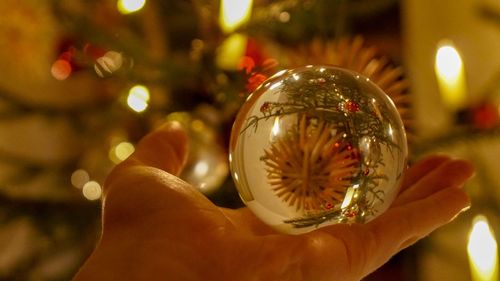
(82, 81)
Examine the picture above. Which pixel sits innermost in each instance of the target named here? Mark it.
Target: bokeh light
(482, 250)
(109, 63)
(448, 62)
(61, 69)
(121, 151)
(79, 178)
(130, 6)
(92, 190)
(138, 98)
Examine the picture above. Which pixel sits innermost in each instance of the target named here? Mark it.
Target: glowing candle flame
(482, 251)
(450, 75)
(234, 13)
(130, 6)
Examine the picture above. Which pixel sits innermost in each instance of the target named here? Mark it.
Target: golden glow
(198, 125)
(231, 51)
(179, 116)
(201, 169)
(482, 251)
(138, 98)
(79, 178)
(109, 63)
(121, 151)
(450, 75)
(234, 13)
(92, 190)
(130, 6)
(448, 62)
(284, 17)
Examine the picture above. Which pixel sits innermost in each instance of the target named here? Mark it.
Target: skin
(158, 227)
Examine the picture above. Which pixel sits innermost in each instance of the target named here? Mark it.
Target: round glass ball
(316, 146)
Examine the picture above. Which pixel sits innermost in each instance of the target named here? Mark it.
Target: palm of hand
(157, 227)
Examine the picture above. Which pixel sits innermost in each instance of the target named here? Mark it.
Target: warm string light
(482, 251)
(130, 6)
(91, 190)
(450, 75)
(138, 98)
(121, 151)
(109, 63)
(79, 178)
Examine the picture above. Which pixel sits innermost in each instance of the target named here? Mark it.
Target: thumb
(146, 181)
(165, 149)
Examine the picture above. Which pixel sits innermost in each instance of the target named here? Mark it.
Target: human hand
(158, 227)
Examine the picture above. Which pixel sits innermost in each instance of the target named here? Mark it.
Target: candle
(450, 76)
(233, 14)
(482, 251)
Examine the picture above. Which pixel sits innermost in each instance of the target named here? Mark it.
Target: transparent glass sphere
(316, 146)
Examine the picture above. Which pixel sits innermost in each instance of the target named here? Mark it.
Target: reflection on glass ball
(316, 146)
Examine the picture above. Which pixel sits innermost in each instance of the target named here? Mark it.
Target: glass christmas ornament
(206, 167)
(316, 146)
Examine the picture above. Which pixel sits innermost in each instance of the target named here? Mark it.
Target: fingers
(164, 148)
(436, 174)
(431, 200)
(400, 227)
(146, 182)
(421, 168)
